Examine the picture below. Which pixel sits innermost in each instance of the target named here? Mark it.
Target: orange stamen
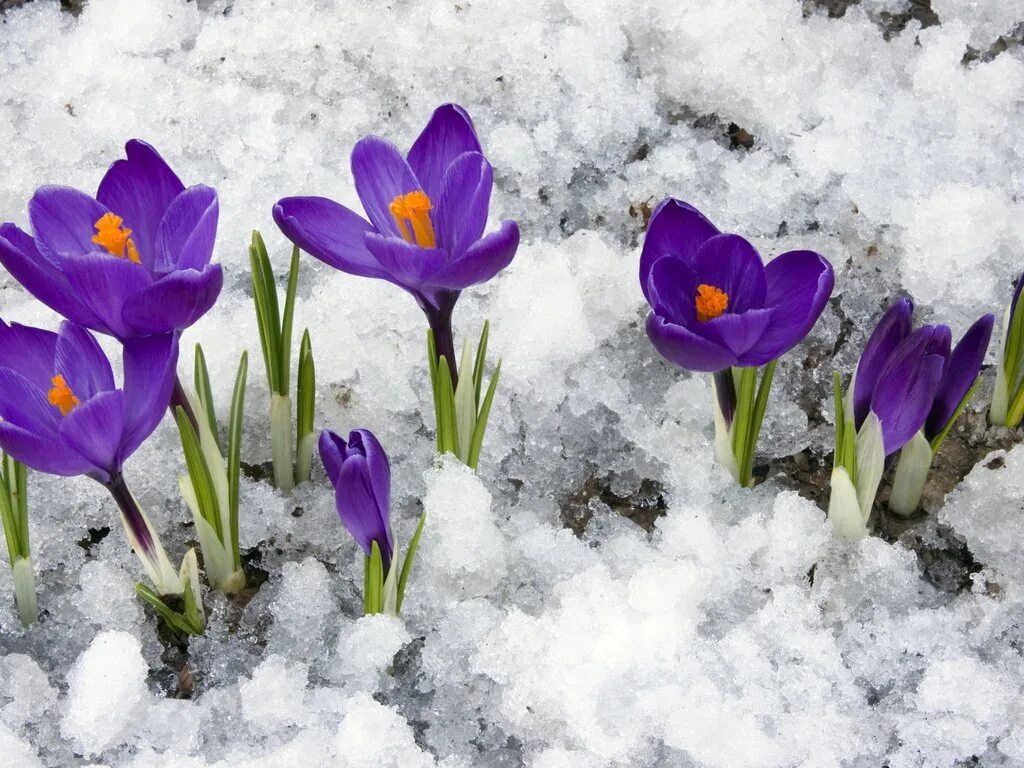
(61, 395)
(114, 238)
(413, 209)
(711, 302)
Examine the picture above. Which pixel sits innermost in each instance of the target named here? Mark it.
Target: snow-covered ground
(602, 594)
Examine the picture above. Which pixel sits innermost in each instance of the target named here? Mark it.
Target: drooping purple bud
(891, 330)
(960, 374)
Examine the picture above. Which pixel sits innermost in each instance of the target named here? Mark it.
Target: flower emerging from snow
(714, 303)
(427, 213)
(133, 261)
(361, 476)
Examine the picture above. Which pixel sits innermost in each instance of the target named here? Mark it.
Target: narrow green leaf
(176, 621)
(285, 347)
(410, 556)
(435, 386)
(481, 420)
(850, 450)
(204, 392)
(199, 473)
(306, 396)
(742, 420)
(9, 516)
(465, 407)
(20, 502)
(840, 418)
(367, 591)
(448, 436)
(235, 453)
(376, 578)
(481, 361)
(757, 419)
(268, 318)
(1014, 355)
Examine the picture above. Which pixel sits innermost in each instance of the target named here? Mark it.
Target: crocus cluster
(717, 308)
(907, 391)
(360, 472)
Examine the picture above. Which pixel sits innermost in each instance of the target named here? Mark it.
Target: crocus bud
(361, 475)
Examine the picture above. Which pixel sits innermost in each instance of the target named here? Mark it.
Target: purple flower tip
(714, 302)
(361, 475)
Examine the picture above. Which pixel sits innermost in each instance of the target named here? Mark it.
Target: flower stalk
(210, 488)
(292, 460)
(14, 516)
(460, 413)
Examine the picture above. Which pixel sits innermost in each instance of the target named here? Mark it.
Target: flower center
(413, 211)
(61, 395)
(711, 302)
(111, 236)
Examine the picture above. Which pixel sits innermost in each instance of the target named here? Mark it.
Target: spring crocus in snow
(908, 390)
(1008, 398)
(132, 261)
(424, 231)
(63, 414)
(361, 475)
(717, 308)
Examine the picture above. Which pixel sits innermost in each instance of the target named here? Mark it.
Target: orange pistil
(711, 302)
(61, 395)
(116, 239)
(413, 209)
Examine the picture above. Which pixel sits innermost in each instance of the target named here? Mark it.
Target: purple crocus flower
(133, 261)
(427, 214)
(361, 476)
(63, 414)
(912, 380)
(714, 303)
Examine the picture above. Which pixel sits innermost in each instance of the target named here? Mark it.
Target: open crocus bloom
(361, 476)
(427, 213)
(714, 303)
(62, 413)
(133, 261)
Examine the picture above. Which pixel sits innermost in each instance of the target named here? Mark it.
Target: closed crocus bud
(361, 476)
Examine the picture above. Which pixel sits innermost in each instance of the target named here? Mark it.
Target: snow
(601, 594)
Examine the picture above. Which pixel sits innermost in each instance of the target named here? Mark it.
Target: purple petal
(41, 277)
(26, 405)
(81, 361)
(139, 189)
(892, 329)
(960, 374)
(174, 302)
(448, 134)
(676, 229)
(28, 351)
(330, 232)
(42, 453)
(93, 430)
(332, 454)
(63, 221)
(736, 332)
(407, 264)
(378, 466)
(106, 283)
(381, 174)
(150, 364)
(686, 349)
(799, 285)
(359, 510)
(461, 207)
(731, 264)
(907, 384)
(673, 291)
(185, 237)
(483, 260)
